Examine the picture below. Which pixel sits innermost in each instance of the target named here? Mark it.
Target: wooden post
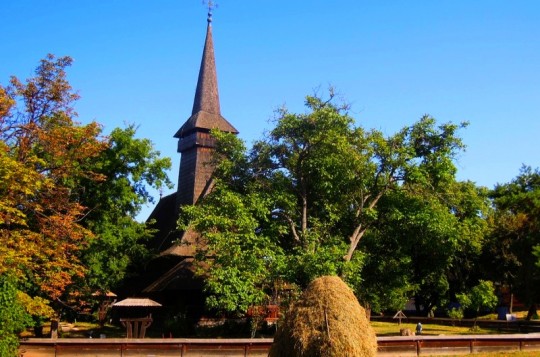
(136, 328)
(54, 329)
(511, 302)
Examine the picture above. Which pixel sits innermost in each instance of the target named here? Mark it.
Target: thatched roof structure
(327, 321)
(137, 302)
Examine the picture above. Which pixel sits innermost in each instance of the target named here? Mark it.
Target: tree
(238, 261)
(44, 153)
(515, 234)
(68, 194)
(425, 244)
(338, 172)
(130, 166)
(481, 297)
(319, 180)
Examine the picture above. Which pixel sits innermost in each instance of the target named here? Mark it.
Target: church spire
(196, 144)
(206, 113)
(207, 95)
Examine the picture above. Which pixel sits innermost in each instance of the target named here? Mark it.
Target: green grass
(82, 330)
(392, 329)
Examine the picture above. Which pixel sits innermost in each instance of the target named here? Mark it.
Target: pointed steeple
(206, 113)
(207, 95)
(195, 143)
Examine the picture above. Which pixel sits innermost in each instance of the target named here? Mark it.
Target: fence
(180, 347)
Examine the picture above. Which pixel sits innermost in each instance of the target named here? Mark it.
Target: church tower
(170, 276)
(196, 147)
(195, 144)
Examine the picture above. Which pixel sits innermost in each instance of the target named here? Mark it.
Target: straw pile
(326, 321)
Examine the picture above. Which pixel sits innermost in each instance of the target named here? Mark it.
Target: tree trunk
(417, 304)
(54, 328)
(38, 331)
(531, 313)
(355, 238)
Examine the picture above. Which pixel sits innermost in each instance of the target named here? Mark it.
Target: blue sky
(137, 62)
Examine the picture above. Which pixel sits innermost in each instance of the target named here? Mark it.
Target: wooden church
(169, 278)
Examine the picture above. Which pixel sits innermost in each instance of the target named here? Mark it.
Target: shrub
(13, 317)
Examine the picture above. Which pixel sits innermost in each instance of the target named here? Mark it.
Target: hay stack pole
(327, 321)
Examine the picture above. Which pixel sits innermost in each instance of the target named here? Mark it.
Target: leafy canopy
(297, 204)
(43, 155)
(511, 253)
(68, 194)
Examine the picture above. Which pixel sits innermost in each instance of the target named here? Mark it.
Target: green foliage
(301, 200)
(68, 196)
(239, 264)
(129, 166)
(455, 313)
(13, 317)
(37, 307)
(481, 297)
(425, 242)
(109, 256)
(509, 253)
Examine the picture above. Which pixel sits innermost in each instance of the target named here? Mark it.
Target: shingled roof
(206, 113)
(137, 302)
(173, 268)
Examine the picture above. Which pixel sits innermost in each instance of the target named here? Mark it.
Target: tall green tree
(130, 167)
(319, 180)
(481, 297)
(336, 172)
(515, 235)
(240, 262)
(426, 244)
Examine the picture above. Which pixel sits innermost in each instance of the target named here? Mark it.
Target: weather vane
(211, 6)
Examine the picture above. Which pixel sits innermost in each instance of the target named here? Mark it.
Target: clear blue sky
(458, 60)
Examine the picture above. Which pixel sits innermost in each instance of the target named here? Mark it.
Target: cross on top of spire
(211, 6)
(206, 113)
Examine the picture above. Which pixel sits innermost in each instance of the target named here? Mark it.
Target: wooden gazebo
(136, 326)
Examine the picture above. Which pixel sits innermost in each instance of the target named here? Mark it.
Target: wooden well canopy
(136, 327)
(137, 302)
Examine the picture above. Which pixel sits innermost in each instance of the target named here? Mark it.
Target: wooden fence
(181, 347)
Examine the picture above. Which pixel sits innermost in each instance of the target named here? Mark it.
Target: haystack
(326, 321)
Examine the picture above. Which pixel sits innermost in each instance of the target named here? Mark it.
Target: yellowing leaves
(43, 156)
(35, 306)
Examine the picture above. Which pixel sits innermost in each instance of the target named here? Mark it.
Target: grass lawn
(392, 329)
(84, 329)
(81, 330)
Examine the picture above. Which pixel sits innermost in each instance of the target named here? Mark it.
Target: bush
(13, 317)
(455, 313)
